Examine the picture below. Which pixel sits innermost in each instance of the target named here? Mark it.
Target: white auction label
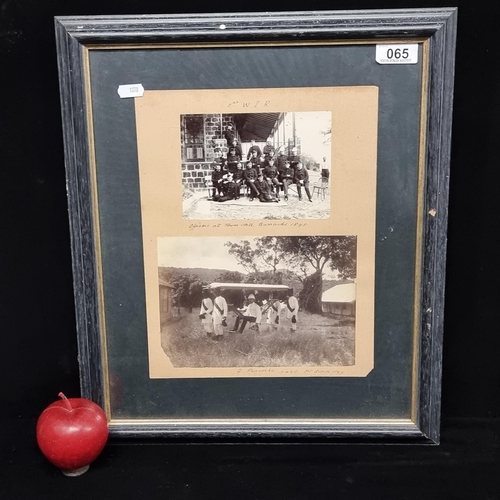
(132, 90)
(397, 53)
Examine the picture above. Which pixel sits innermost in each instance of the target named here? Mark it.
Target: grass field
(318, 341)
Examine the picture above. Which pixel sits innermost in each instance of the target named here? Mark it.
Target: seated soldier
(232, 160)
(261, 163)
(235, 144)
(251, 313)
(280, 162)
(267, 148)
(271, 176)
(253, 147)
(294, 158)
(250, 176)
(287, 177)
(219, 157)
(239, 180)
(301, 179)
(216, 181)
(254, 158)
(229, 189)
(265, 193)
(270, 156)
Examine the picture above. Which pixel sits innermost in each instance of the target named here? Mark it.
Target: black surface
(38, 354)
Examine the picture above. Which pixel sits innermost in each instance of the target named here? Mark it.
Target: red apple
(71, 433)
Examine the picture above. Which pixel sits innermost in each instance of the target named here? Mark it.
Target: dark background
(38, 355)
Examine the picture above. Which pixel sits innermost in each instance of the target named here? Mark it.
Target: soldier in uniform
(216, 180)
(229, 188)
(206, 311)
(253, 147)
(219, 314)
(271, 176)
(281, 160)
(229, 134)
(286, 177)
(239, 180)
(232, 160)
(235, 144)
(250, 176)
(294, 158)
(301, 179)
(254, 158)
(268, 148)
(264, 189)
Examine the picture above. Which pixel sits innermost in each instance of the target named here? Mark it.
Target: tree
(229, 277)
(306, 252)
(343, 258)
(310, 296)
(187, 291)
(261, 256)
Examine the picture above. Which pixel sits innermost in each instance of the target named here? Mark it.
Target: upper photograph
(250, 166)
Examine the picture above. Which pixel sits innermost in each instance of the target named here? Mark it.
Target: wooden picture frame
(326, 53)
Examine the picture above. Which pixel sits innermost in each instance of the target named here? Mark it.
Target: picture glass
(182, 222)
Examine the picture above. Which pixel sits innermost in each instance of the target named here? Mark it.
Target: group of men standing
(264, 174)
(213, 313)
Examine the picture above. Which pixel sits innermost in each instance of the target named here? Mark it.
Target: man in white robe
(219, 314)
(206, 310)
(273, 313)
(292, 309)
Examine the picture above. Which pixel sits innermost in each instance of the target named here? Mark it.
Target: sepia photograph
(268, 301)
(247, 166)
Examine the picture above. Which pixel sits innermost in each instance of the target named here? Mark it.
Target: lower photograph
(269, 301)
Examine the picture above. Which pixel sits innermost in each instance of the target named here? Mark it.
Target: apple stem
(66, 401)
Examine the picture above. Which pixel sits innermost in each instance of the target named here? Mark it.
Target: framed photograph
(258, 210)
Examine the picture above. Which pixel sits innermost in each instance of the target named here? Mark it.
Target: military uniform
(271, 175)
(287, 178)
(294, 160)
(232, 162)
(229, 188)
(216, 178)
(250, 176)
(265, 194)
(267, 149)
(301, 178)
(229, 135)
(252, 149)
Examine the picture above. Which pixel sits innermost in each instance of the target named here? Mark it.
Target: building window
(193, 138)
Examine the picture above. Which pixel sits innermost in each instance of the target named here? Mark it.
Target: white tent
(340, 299)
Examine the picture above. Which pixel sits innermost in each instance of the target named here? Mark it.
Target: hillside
(211, 275)
(206, 275)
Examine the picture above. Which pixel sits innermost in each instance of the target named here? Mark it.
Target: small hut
(166, 292)
(340, 299)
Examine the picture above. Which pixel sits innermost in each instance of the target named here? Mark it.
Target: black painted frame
(437, 26)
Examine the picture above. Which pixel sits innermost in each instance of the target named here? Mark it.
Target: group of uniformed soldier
(263, 173)
(213, 313)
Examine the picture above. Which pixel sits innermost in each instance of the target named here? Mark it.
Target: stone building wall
(194, 173)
